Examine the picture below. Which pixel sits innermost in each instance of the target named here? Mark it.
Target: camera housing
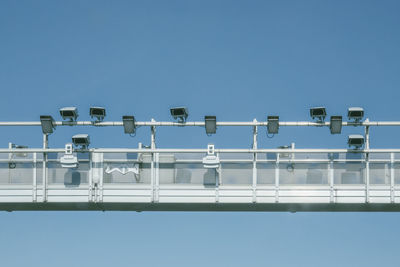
(98, 112)
(318, 113)
(81, 140)
(69, 113)
(355, 113)
(356, 140)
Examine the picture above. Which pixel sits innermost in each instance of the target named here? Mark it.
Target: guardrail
(34, 178)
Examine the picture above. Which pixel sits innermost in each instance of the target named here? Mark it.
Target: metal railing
(41, 168)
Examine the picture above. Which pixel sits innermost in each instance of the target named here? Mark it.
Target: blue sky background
(237, 60)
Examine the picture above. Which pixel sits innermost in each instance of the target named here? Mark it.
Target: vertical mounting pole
(44, 173)
(255, 133)
(10, 155)
(367, 135)
(45, 141)
(153, 135)
(367, 162)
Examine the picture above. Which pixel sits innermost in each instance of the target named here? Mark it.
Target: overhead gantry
(78, 177)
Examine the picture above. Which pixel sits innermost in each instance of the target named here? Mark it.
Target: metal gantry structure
(78, 177)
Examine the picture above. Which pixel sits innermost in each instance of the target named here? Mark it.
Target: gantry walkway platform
(179, 179)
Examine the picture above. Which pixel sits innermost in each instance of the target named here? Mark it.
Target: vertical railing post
(157, 177)
(254, 185)
(392, 177)
(34, 178)
(153, 155)
(91, 183)
(331, 179)
(367, 163)
(367, 177)
(96, 176)
(101, 168)
(218, 181)
(277, 178)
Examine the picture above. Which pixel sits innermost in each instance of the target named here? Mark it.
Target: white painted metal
(331, 181)
(201, 150)
(277, 178)
(367, 182)
(392, 177)
(157, 177)
(199, 123)
(44, 172)
(34, 178)
(246, 179)
(255, 146)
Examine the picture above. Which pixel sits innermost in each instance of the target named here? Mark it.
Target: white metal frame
(252, 196)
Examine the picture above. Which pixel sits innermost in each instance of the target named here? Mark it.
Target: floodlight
(336, 124)
(318, 113)
(48, 124)
(179, 113)
(356, 140)
(98, 112)
(129, 124)
(82, 140)
(211, 124)
(273, 124)
(355, 113)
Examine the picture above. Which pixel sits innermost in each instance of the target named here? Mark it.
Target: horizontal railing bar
(195, 150)
(221, 160)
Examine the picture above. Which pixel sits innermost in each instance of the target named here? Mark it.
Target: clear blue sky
(238, 60)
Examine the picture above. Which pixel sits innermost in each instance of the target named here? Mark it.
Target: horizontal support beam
(200, 123)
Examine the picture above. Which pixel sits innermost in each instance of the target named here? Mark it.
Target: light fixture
(355, 140)
(82, 140)
(69, 113)
(98, 112)
(210, 124)
(129, 124)
(318, 113)
(355, 113)
(273, 124)
(179, 113)
(336, 124)
(48, 124)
